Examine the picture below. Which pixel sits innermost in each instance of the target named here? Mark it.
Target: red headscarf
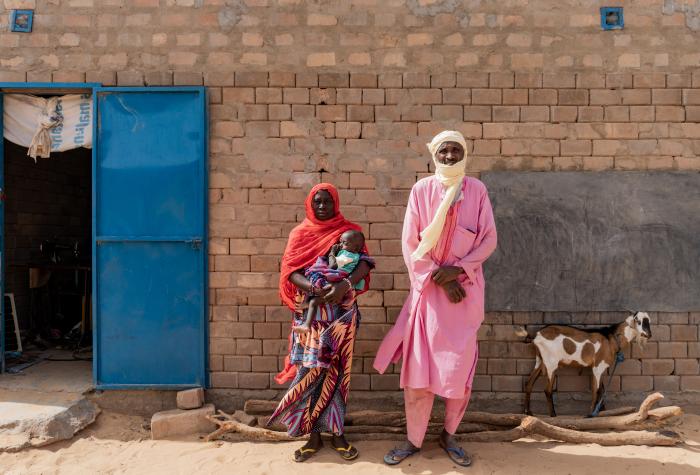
(307, 241)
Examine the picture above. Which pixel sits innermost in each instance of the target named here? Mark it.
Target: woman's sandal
(396, 456)
(457, 455)
(347, 453)
(305, 453)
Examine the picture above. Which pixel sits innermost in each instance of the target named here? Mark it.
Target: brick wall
(273, 133)
(349, 91)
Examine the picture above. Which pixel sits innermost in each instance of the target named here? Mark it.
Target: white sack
(24, 114)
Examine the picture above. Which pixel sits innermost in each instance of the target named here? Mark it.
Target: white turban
(450, 176)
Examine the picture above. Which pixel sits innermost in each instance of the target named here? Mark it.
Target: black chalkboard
(595, 241)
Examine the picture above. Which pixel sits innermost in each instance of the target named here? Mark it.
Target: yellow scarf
(450, 176)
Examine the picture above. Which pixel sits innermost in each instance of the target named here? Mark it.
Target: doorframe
(93, 88)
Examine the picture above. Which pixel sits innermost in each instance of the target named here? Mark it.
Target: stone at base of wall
(177, 422)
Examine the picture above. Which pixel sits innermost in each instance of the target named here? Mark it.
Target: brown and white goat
(558, 346)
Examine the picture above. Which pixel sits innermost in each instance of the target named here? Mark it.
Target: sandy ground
(118, 444)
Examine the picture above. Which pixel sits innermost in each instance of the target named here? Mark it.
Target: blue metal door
(150, 249)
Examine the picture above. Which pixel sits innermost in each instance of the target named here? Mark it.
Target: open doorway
(47, 273)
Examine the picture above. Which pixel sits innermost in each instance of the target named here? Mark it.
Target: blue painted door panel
(150, 225)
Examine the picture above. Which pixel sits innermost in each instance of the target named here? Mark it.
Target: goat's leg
(594, 392)
(537, 370)
(551, 379)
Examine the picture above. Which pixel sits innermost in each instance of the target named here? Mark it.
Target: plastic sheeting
(66, 121)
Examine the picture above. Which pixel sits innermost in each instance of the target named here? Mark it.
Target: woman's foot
(402, 451)
(309, 449)
(344, 448)
(454, 451)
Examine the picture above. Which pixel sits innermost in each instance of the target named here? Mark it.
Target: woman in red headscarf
(319, 361)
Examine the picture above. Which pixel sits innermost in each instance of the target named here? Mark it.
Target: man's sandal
(305, 453)
(457, 455)
(396, 456)
(347, 453)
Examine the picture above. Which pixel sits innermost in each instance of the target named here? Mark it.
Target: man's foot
(454, 451)
(399, 453)
(301, 329)
(309, 449)
(343, 448)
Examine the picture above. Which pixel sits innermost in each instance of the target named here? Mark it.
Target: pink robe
(437, 338)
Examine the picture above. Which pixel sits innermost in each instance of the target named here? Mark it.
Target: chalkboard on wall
(595, 241)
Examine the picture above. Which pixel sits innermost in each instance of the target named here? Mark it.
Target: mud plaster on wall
(691, 11)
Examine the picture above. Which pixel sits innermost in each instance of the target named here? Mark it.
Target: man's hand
(446, 274)
(455, 292)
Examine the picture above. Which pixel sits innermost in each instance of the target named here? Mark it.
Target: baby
(341, 261)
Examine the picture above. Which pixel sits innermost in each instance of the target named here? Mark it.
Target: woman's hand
(336, 292)
(446, 274)
(455, 292)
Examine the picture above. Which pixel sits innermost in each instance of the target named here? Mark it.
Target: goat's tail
(521, 331)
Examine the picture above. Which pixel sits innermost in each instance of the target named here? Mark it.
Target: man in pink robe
(435, 334)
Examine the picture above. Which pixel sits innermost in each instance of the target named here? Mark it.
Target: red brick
(349, 96)
(486, 96)
(637, 383)
(657, 367)
(384, 382)
(667, 96)
(590, 80)
(605, 97)
(331, 113)
(573, 96)
(456, 96)
(670, 114)
(673, 349)
(690, 383)
(334, 80)
(564, 113)
(534, 113)
(416, 80)
(506, 113)
(425, 96)
(623, 80)
(528, 80)
(667, 383)
(322, 96)
(224, 380)
(502, 80)
(253, 380)
(543, 97)
(477, 113)
(390, 80)
(472, 79)
(295, 95)
(373, 96)
(687, 367)
(453, 112)
(253, 79)
(507, 383)
(237, 363)
(501, 366)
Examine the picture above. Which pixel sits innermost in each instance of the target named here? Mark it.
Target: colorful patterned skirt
(317, 398)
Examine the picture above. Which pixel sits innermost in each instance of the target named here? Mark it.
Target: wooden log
(532, 425)
(660, 413)
(260, 407)
(619, 411)
(227, 423)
